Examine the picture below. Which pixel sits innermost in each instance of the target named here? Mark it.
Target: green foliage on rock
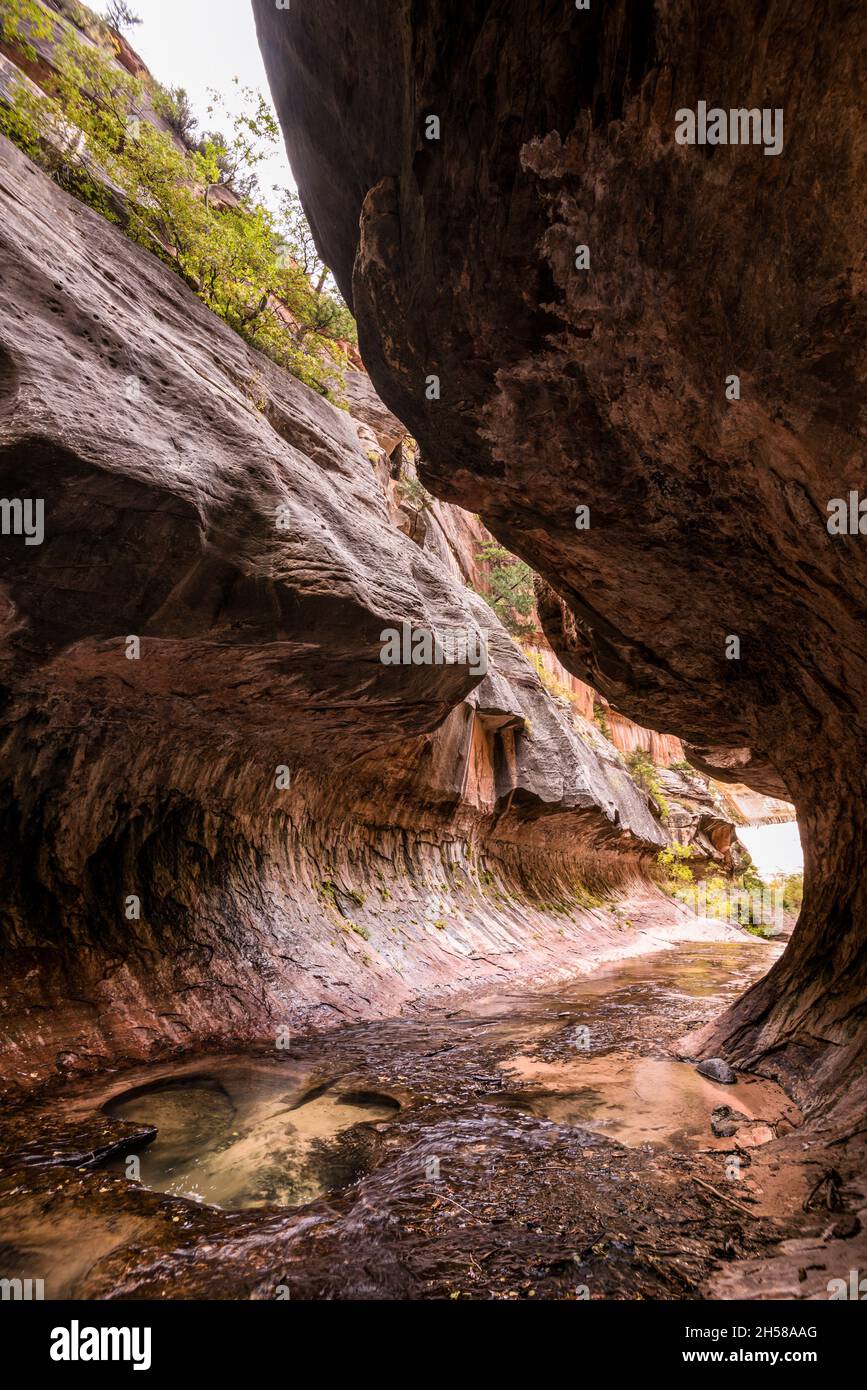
(22, 24)
(508, 588)
(413, 493)
(600, 719)
(89, 133)
(175, 107)
(749, 877)
(646, 774)
(550, 681)
(674, 860)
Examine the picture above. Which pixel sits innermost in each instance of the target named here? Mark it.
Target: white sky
(774, 848)
(199, 44)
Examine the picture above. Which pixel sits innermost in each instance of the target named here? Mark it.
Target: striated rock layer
(254, 823)
(605, 387)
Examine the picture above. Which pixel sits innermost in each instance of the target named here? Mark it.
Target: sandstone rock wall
(438, 827)
(606, 387)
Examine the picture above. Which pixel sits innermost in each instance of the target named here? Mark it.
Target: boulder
(717, 1069)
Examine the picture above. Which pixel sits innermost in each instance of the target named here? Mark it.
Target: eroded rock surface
(605, 387)
(698, 816)
(441, 826)
(543, 1178)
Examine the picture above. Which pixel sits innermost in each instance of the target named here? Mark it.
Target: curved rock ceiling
(562, 384)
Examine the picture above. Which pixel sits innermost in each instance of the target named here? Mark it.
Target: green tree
(508, 588)
(327, 312)
(174, 105)
(792, 887)
(90, 136)
(646, 774)
(674, 860)
(119, 15)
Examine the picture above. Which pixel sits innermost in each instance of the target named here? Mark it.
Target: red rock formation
(440, 825)
(606, 387)
(457, 537)
(664, 749)
(747, 807)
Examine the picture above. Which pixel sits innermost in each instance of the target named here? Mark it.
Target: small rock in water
(754, 1134)
(725, 1121)
(717, 1070)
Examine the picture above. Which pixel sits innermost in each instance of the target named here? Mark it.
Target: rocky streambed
(546, 1144)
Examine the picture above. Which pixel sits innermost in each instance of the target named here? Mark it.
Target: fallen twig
(723, 1198)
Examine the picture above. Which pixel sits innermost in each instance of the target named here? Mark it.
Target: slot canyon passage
(406, 1006)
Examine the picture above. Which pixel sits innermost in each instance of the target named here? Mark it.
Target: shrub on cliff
(22, 23)
(89, 134)
(508, 588)
(681, 765)
(674, 861)
(119, 15)
(645, 772)
(175, 107)
(550, 682)
(600, 719)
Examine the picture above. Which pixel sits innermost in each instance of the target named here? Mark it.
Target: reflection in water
(253, 1133)
(641, 1100)
(500, 1092)
(244, 1140)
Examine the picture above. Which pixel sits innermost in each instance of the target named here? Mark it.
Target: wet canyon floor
(529, 1145)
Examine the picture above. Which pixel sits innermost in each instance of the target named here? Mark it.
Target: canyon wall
(458, 537)
(223, 814)
(451, 201)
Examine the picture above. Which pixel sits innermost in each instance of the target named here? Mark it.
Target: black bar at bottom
(223, 1340)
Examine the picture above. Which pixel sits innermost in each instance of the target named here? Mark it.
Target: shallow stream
(455, 1149)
